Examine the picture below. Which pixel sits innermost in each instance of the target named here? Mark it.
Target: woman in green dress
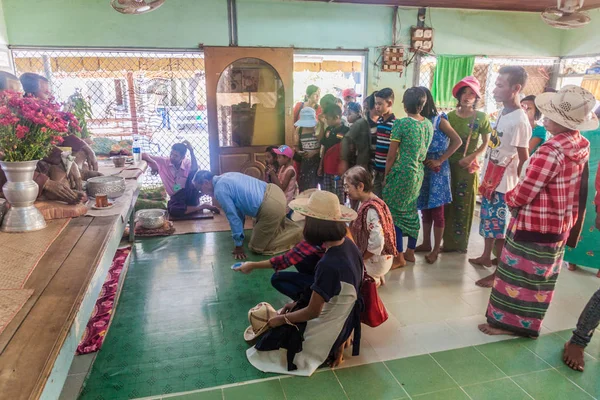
(404, 170)
(587, 252)
(471, 125)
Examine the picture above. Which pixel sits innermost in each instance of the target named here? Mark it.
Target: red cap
(350, 93)
(469, 81)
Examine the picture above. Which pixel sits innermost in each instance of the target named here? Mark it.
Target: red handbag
(491, 179)
(374, 313)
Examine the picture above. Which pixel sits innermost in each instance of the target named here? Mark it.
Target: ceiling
(506, 5)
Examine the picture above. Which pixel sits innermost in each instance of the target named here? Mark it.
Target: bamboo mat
(11, 301)
(217, 224)
(21, 252)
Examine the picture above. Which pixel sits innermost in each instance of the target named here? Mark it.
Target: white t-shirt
(512, 130)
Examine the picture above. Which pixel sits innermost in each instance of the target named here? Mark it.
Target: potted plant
(29, 128)
(82, 110)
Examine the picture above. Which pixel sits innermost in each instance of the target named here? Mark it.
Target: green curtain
(448, 72)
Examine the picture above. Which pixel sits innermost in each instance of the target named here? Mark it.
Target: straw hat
(323, 205)
(259, 317)
(572, 107)
(303, 195)
(469, 81)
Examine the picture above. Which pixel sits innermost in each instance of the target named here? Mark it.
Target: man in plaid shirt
(304, 256)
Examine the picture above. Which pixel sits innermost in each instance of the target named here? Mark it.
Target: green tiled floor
(179, 322)
(426, 378)
(178, 328)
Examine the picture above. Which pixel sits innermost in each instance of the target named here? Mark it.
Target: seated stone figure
(59, 179)
(55, 182)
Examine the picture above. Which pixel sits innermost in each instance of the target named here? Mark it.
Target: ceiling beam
(498, 5)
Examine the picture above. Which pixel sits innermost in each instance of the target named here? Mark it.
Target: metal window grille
(158, 98)
(486, 71)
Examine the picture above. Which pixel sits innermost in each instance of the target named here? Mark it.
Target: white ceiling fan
(566, 15)
(136, 6)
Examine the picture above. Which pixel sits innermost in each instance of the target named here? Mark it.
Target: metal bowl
(151, 219)
(118, 161)
(113, 186)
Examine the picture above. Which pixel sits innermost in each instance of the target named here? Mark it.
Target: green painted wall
(582, 41)
(493, 33)
(187, 23)
(178, 24)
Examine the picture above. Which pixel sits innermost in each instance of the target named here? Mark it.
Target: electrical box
(393, 59)
(421, 39)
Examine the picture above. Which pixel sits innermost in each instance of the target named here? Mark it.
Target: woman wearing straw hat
(331, 314)
(546, 208)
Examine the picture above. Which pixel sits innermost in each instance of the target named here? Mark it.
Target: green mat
(180, 320)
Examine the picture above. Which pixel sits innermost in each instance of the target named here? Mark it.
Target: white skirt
(319, 336)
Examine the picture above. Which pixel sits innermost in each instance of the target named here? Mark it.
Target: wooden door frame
(216, 59)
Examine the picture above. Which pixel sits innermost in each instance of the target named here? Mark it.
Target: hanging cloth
(448, 71)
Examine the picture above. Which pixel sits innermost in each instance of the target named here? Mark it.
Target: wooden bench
(38, 345)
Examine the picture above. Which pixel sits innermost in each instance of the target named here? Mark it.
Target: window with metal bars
(158, 98)
(486, 71)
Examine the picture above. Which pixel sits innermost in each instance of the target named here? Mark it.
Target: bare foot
(572, 267)
(490, 330)
(432, 257)
(481, 261)
(339, 354)
(486, 282)
(573, 356)
(399, 261)
(495, 262)
(409, 256)
(423, 248)
(598, 274)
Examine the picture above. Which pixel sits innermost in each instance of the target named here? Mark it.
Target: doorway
(250, 99)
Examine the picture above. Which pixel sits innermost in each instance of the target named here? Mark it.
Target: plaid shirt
(547, 197)
(298, 253)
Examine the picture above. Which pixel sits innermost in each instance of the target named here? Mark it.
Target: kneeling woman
(373, 230)
(328, 316)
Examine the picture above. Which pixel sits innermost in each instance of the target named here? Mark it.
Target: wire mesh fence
(157, 98)
(581, 71)
(486, 71)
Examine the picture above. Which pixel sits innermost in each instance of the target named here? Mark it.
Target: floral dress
(459, 213)
(436, 190)
(403, 183)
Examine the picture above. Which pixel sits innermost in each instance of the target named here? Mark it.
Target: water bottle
(137, 151)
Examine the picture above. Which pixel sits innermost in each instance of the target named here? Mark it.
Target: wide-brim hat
(469, 81)
(259, 316)
(323, 205)
(307, 118)
(572, 107)
(302, 195)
